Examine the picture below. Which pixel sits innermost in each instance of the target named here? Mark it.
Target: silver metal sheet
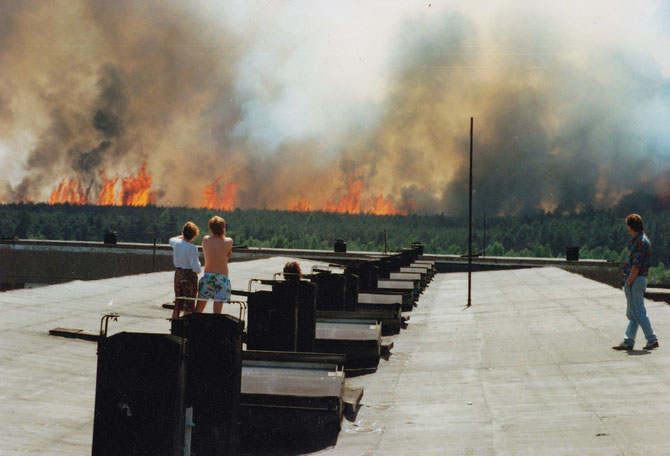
(404, 276)
(415, 269)
(291, 381)
(348, 331)
(396, 284)
(379, 298)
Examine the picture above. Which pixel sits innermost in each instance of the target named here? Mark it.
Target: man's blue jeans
(636, 313)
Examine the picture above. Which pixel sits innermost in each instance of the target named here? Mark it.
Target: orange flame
(349, 203)
(69, 191)
(662, 186)
(214, 199)
(135, 190)
(107, 197)
(301, 206)
(382, 206)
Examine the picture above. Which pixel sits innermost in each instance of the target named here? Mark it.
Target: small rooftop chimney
(109, 237)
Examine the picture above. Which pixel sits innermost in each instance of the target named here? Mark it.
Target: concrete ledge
(46, 262)
(600, 270)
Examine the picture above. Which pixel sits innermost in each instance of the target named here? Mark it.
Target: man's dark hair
(635, 222)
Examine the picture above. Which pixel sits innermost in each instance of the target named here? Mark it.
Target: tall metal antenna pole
(484, 241)
(470, 224)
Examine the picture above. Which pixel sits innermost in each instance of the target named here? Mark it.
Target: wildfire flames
(69, 191)
(350, 202)
(217, 198)
(106, 197)
(301, 206)
(135, 191)
(382, 206)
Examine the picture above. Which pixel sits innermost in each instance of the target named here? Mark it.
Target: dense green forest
(599, 234)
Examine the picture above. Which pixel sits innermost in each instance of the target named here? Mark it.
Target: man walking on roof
(634, 272)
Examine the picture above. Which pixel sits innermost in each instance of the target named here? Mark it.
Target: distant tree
(23, 226)
(542, 251)
(495, 249)
(623, 254)
(659, 274)
(454, 250)
(598, 233)
(524, 253)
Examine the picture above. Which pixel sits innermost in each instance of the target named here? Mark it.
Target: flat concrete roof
(528, 369)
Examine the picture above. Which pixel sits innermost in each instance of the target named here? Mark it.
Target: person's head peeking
(217, 225)
(292, 271)
(190, 231)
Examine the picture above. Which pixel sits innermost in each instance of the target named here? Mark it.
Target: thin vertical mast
(470, 223)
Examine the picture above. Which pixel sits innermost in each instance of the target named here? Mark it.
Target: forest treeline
(599, 234)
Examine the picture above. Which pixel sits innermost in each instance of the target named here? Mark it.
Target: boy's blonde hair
(217, 225)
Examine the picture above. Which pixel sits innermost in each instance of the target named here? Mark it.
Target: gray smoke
(547, 134)
(283, 101)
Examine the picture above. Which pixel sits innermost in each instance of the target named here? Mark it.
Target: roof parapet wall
(46, 261)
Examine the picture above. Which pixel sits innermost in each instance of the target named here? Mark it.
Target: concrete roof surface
(528, 369)
(47, 383)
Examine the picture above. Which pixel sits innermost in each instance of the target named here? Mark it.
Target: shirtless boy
(215, 283)
(187, 268)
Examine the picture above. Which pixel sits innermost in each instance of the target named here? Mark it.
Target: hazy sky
(287, 99)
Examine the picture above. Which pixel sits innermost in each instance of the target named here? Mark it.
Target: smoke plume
(296, 100)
